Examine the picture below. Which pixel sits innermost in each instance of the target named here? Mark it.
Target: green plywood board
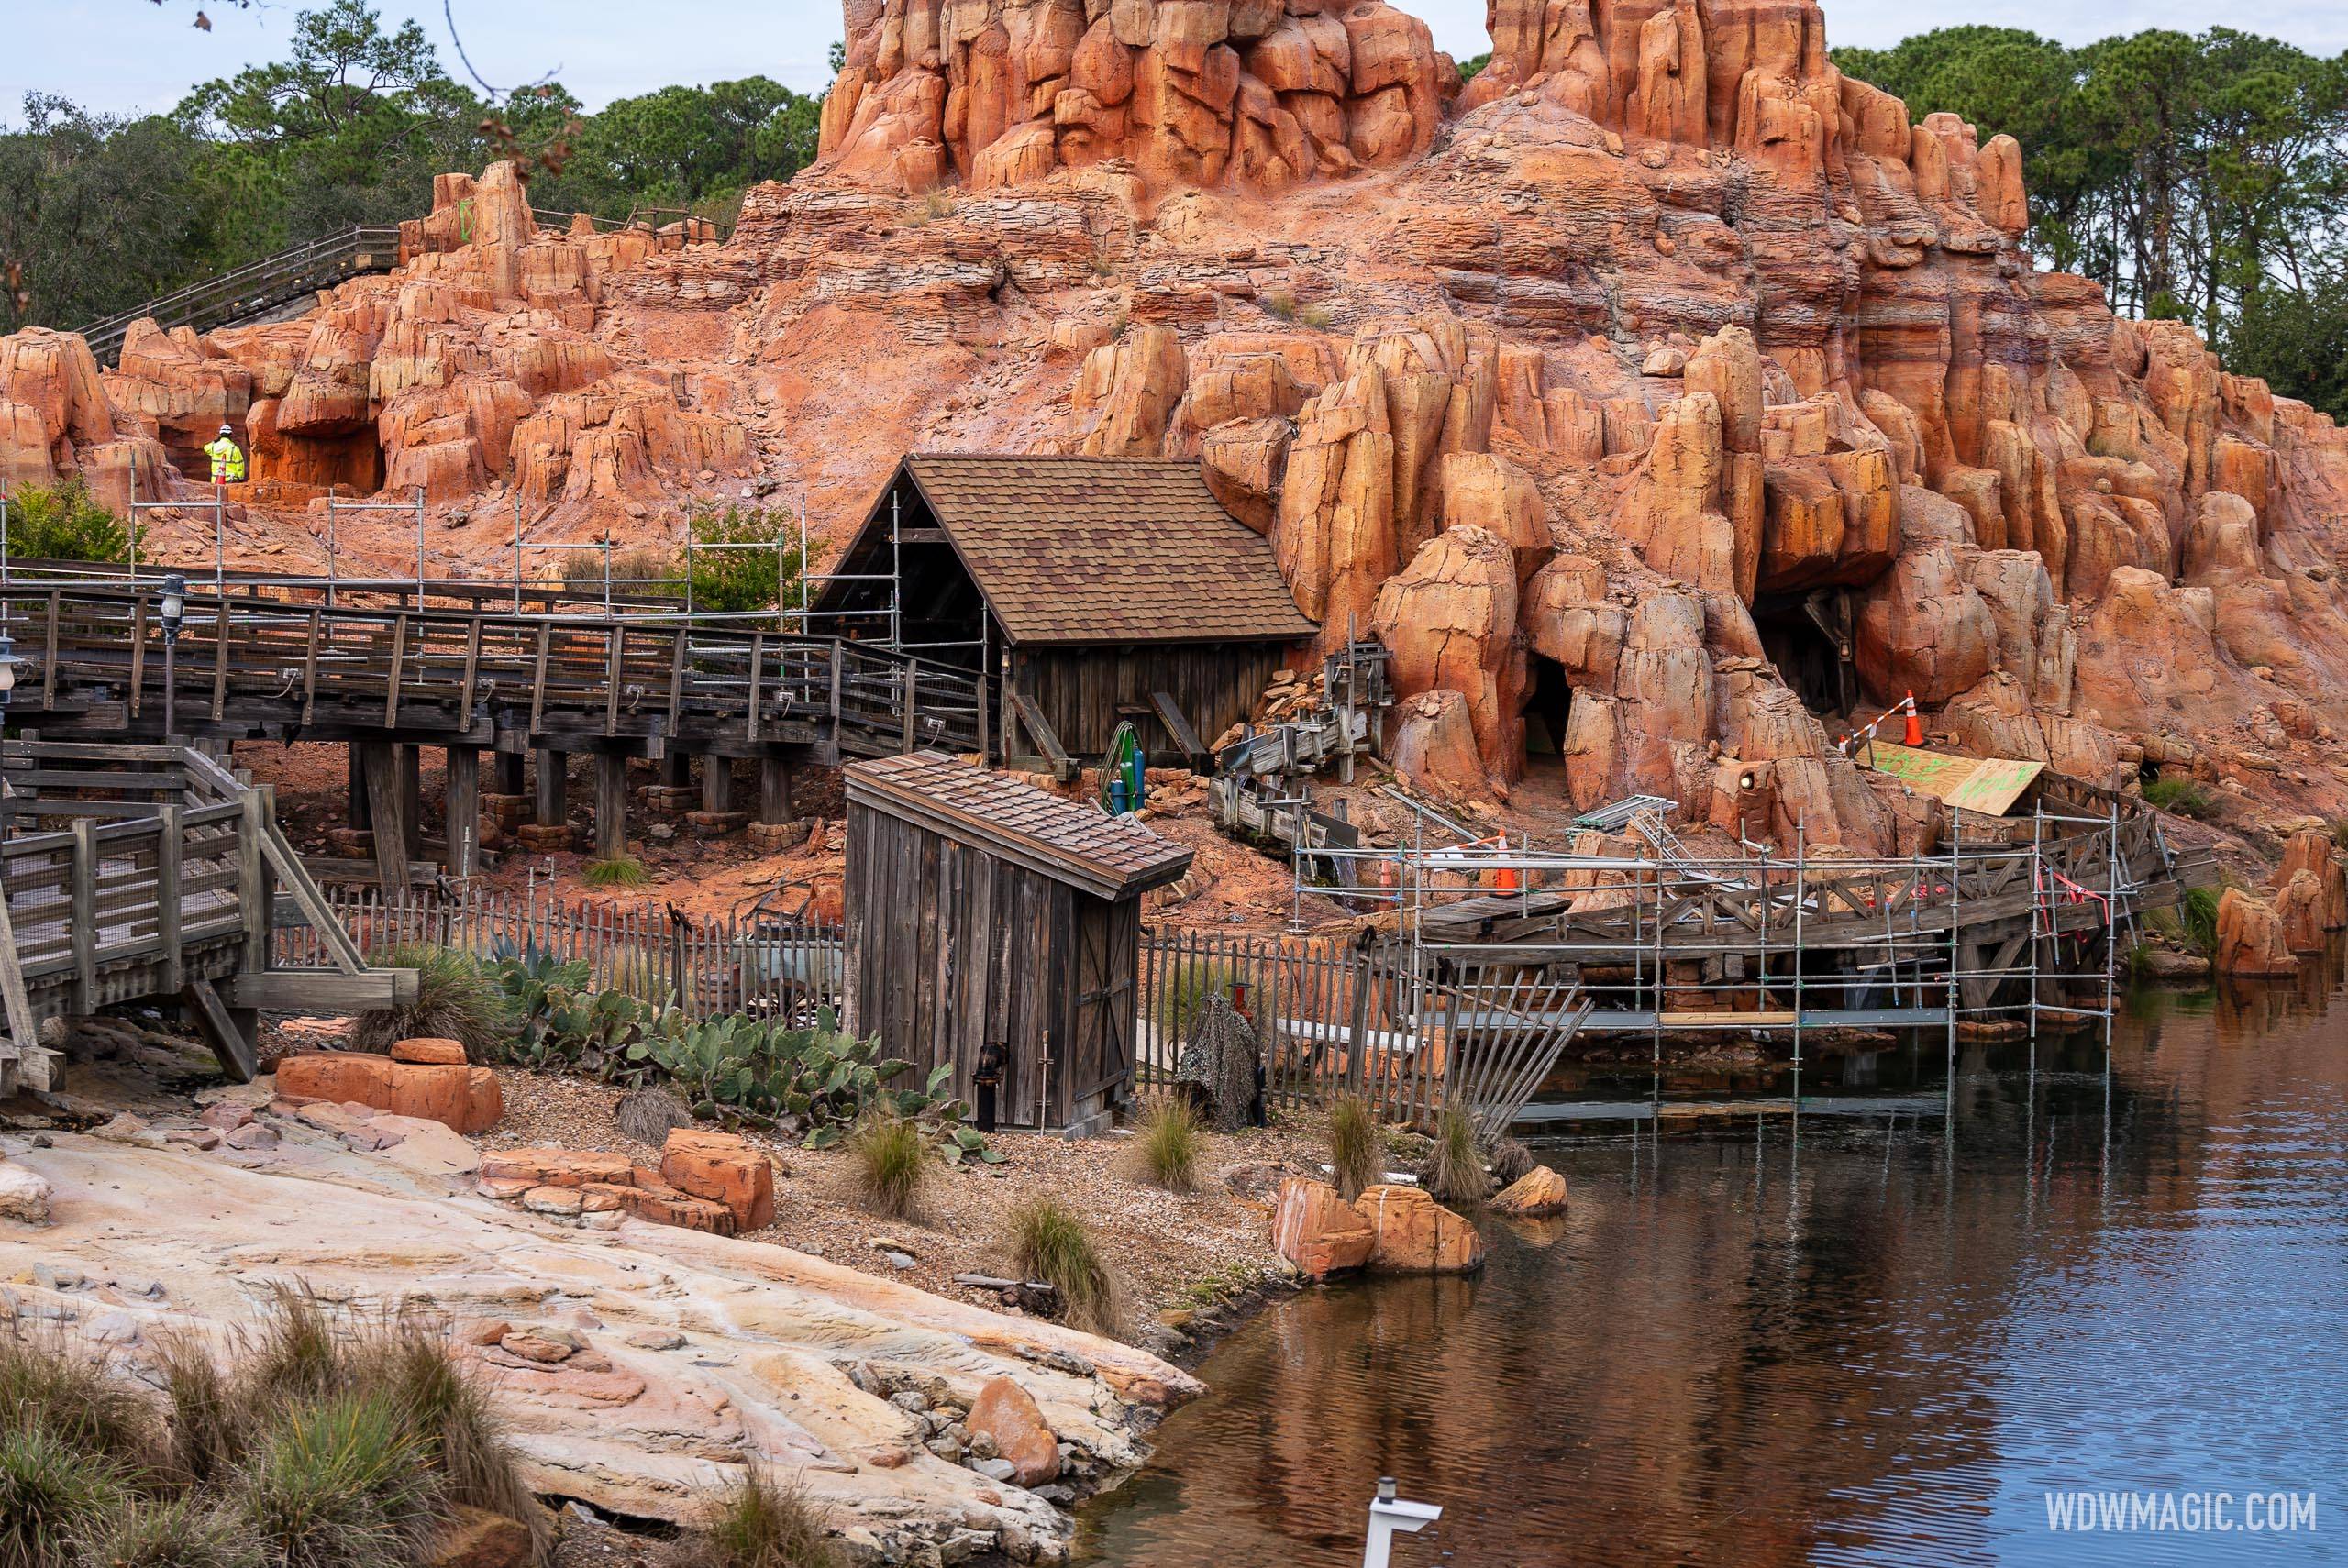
(1990, 785)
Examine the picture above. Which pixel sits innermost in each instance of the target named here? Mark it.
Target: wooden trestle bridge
(152, 874)
(385, 668)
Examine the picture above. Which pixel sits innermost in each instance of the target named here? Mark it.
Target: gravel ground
(1176, 1253)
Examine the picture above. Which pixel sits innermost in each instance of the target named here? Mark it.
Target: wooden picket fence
(1334, 1016)
(710, 968)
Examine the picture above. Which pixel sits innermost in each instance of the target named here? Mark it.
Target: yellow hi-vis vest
(227, 462)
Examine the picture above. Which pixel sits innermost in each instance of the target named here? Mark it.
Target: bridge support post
(387, 811)
(412, 798)
(717, 785)
(510, 775)
(777, 827)
(611, 805)
(549, 826)
(362, 818)
(463, 809)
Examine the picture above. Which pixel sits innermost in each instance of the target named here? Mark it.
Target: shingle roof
(1109, 857)
(1107, 550)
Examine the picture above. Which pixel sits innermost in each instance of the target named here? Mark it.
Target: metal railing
(254, 288)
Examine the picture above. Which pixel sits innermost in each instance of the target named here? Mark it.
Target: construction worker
(227, 458)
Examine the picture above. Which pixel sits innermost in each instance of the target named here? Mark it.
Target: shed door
(1100, 1058)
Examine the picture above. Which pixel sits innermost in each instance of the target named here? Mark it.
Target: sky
(131, 56)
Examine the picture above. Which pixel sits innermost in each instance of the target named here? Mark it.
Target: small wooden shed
(1092, 592)
(982, 909)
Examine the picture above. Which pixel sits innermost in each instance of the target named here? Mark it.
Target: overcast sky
(133, 55)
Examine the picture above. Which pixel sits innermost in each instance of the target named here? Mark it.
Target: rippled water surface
(1856, 1343)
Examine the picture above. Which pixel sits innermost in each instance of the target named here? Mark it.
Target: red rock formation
(2251, 937)
(1683, 323)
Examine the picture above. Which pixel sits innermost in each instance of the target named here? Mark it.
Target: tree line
(99, 212)
(2203, 179)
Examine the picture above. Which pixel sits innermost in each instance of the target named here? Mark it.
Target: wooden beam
(387, 809)
(549, 805)
(169, 843)
(611, 805)
(222, 1030)
(322, 990)
(399, 666)
(1186, 739)
(774, 791)
(462, 799)
(716, 784)
(82, 894)
(1031, 719)
(220, 663)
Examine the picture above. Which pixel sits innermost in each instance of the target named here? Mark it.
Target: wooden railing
(255, 288)
(244, 657)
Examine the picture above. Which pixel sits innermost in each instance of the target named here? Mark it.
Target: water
(1857, 1342)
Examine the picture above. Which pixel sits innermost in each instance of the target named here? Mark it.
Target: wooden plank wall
(949, 948)
(1081, 689)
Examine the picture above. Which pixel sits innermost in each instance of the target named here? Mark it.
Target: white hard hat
(224, 430)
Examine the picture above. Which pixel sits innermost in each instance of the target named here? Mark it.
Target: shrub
(616, 871)
(890, 1163)
(1048, 1240)
(528, 977)
(64, 523)
(1455, 1171)
(1166, 1148)
(2183, 797)
(763, 1523)
(730, 580)
(343, 1484)
(455, 999)
(1355, 1160)
(181, 1532)
(2340, 832)
(1282, 306)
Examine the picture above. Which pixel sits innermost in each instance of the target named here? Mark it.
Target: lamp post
(174, 611)
(1389, 1516)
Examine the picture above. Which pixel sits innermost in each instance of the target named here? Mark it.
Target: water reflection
(1865, 1340)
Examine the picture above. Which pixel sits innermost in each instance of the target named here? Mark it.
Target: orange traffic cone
(1915, 734)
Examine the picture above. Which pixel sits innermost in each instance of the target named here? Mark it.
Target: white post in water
(1389, 1517)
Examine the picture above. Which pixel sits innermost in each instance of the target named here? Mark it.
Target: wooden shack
(984, 910)
(1091, 590)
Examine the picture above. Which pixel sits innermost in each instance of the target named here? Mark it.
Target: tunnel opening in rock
(1548, 704)
(1808, 637)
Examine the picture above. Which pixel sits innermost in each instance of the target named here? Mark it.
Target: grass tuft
(1356, 1159)
(179, 1532)
(1455, 1173)
(1048, 1240)
(616, 871)
(455, 999)
(1167, 1146)
(53, 1495)
(2200, 917)
(207, 1420)
(61, 1387)
(1510, 1161)
(890, 1163)
(2183, 797)
(763, 1523)
(344, 1484)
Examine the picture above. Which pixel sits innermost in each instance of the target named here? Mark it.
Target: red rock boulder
(2250, 937)
(1319, 1231)
(1007, 1414)
(1412, 1234)
(466, 1099)
(723, 1169)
